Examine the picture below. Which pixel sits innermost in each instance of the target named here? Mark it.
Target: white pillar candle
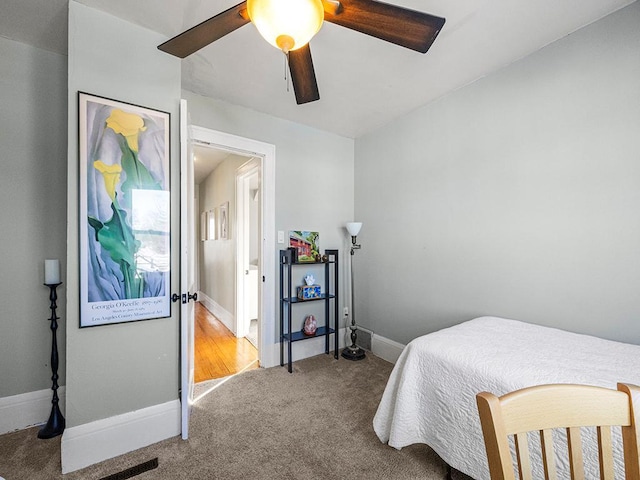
(51, 272)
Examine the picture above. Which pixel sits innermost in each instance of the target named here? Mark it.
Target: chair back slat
(548, 454)
(522, 455)
(574, 442)
(605, 453)
(544, 408)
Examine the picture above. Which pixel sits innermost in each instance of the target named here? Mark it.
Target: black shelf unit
(288, 299)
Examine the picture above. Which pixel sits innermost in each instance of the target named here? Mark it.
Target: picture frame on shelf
(306, 245)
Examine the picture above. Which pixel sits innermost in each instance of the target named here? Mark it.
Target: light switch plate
(280, 236)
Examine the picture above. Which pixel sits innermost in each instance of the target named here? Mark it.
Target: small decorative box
(307, 292)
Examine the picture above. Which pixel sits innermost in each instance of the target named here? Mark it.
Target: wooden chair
(546, 407)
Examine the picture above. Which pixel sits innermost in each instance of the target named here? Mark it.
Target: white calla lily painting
(124, 212)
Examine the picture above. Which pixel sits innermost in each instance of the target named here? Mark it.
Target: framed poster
(125, 205)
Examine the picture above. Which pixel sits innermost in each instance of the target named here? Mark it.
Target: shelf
(295, 336)
(322, 296)
(313, 263)
(329, 298)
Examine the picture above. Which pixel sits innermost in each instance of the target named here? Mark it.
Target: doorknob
(185, 298)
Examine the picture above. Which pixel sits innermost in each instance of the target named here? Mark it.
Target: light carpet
(315, 423)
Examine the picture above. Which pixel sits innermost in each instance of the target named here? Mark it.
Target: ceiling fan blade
(402, 26)
(207, 32)
(303, 76)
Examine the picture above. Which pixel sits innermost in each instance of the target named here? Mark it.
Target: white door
(187, 269)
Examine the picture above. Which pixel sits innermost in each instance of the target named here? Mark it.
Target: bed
(430, 395)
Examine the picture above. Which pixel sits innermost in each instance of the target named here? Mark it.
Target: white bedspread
(430, 395)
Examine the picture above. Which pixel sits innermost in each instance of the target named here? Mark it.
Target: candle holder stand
(55, 424)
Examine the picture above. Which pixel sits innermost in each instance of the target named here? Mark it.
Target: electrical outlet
(346, 310)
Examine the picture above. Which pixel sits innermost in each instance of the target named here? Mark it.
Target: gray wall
(314, 170)
(516, 196)
(119, 368)
(33, 195)
(115, 369)
(218, 257)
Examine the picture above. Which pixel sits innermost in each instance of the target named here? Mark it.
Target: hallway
(218, 353)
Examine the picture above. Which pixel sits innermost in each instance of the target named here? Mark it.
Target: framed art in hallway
(204, 226)
(212, 233)
(125, 219)
(223, 221)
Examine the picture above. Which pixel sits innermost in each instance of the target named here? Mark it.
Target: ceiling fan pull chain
(286, 64)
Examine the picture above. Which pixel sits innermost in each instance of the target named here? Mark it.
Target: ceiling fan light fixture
(286, 24)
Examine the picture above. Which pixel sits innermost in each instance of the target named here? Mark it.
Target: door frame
(187, 229)
(267, 152)
(243, 229)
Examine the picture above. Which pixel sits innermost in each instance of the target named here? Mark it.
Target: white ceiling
(364, 82)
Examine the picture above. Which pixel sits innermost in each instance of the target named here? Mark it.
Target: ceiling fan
(290, 24)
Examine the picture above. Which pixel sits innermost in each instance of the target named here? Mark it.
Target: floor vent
(133, 471)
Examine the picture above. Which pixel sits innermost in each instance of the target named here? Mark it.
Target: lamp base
(353, 353)
(55, 425)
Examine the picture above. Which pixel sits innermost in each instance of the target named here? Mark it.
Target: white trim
(218, 311)
(27, 409)
(243, 229)
(188, 246)
(267, 300)
(309, 347)
(381, 347)
(386, 349)
(94, 442)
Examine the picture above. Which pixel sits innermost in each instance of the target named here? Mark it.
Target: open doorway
(227, 260)
(267, 341)
(191, 234)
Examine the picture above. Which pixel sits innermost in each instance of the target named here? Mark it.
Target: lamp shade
(286, 24)
(354, 228)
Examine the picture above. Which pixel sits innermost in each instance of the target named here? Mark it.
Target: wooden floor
(218, 353)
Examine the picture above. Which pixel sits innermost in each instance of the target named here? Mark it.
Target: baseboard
(305, 349)
(94, 442)
(313, 346)
(27, 409)
(386, 349)
(382, 347)
(226, 317)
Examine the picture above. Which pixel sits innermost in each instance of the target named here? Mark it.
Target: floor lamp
(353, 352)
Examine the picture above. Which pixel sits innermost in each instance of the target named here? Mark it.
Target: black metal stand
(288, 335)
(353, 352)
(55, 424)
